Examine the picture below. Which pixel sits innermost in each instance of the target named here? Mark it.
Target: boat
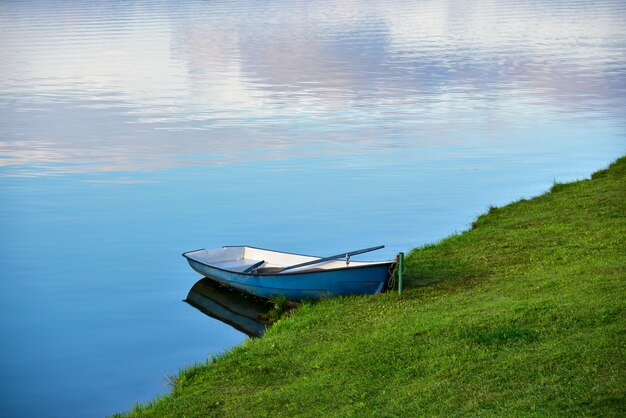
(270, 274)
(243, 312)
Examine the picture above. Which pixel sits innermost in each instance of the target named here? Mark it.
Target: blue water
(133, 131)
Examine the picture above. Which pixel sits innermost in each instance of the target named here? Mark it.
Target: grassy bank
(524, 314)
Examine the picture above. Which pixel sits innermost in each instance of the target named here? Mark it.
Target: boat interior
(247, 259)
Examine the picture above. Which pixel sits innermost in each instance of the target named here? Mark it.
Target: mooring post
(400, 269)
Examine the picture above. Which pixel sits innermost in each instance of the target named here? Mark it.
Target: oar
(254, 266)
(275, 270)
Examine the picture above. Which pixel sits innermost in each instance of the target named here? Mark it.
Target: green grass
(525, 314)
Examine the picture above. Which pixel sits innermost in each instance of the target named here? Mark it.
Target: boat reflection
(240, 311)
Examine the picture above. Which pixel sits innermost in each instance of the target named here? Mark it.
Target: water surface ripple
(190, 78)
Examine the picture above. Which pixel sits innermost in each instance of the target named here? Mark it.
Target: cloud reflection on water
(141, 87)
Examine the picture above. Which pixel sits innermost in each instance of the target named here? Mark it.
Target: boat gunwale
(293, 273)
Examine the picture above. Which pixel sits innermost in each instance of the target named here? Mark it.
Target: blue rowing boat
(268, 273)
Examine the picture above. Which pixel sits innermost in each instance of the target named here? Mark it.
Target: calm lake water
(133, 131)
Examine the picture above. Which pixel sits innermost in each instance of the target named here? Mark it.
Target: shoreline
(521, 314)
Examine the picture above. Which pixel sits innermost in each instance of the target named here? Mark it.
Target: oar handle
(333, 257)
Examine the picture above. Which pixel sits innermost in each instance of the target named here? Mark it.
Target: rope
(393, 269)
(392, 275)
